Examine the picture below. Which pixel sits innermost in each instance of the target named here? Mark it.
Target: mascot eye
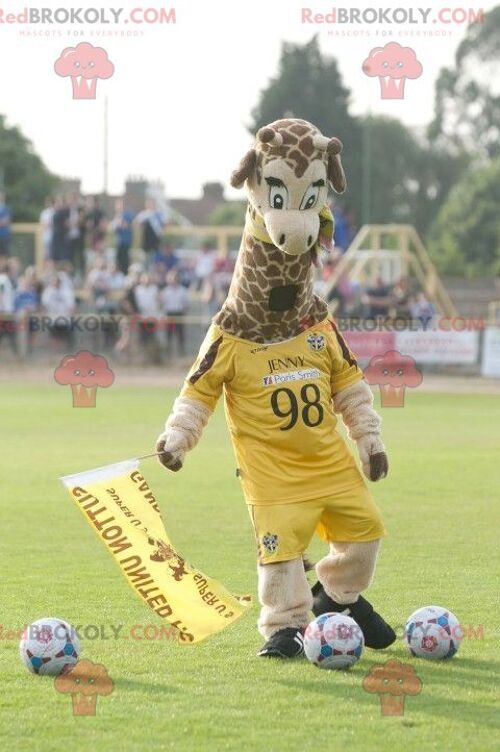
(310, 197)
(278, 197)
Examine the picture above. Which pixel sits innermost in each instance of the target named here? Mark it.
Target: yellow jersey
(278, 401)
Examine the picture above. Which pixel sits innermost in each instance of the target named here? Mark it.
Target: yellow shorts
(284, 531)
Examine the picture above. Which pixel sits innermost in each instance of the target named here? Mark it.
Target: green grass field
(441, 508)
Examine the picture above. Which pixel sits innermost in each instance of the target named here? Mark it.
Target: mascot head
(287, 173)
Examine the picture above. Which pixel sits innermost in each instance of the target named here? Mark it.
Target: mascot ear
(335, 171)
(244, 169)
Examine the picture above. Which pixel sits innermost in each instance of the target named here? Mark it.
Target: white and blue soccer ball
(49, 646)
(433, 633)
(333, 641)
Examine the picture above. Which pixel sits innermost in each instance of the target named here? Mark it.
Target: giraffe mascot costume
(286, 372)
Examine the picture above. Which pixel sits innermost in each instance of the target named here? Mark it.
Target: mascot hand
(171, 453)
(373, 457)
(182, 432)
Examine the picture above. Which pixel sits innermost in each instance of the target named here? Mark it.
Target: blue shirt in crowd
(124, 233)
(167, 260)
(25, 299)
(5, 214)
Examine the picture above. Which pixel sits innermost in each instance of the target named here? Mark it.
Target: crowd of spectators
(375, 298)
(78, 231)
(89, 267)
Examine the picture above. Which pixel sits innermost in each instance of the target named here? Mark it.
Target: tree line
(443, 179)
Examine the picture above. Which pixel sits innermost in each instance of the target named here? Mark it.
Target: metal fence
(27, 241)
(137, 340)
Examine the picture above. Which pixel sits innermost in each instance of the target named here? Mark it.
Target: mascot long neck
(271, 296)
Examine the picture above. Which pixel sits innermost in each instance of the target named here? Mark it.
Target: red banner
(365, 345)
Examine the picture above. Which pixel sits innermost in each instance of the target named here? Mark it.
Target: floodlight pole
(105, 166)
(367, 168)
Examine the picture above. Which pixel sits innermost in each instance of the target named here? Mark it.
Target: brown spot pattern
(246, 312)
(297, 148)
(261, 266)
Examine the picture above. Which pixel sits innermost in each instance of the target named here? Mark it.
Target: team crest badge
(316, 341)
(270, 543)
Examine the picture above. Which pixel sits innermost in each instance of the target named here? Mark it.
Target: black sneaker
(287, 643)
(377, 633)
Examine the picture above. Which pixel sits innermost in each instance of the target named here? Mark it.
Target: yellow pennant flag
(120, 506)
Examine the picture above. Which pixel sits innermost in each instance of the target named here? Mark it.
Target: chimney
(135, 193)
(214, 192)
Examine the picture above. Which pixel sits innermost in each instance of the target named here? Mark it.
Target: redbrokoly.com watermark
(391, 16)
(152, 632)
(111, 323)
(40, 16)
(105, 632)
(460, 632)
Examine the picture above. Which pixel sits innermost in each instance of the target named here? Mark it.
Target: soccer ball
(49, 646)
(333, 641)
(433, 632)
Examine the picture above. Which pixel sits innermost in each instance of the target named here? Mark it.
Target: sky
(180, 94)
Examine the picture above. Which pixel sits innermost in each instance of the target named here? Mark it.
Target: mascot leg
(286, 600)
(343, 574)
(348, 569)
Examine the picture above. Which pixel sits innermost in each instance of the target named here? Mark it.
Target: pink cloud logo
(393, 64)
(84, 64)
(84, 372)
(393, 372)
